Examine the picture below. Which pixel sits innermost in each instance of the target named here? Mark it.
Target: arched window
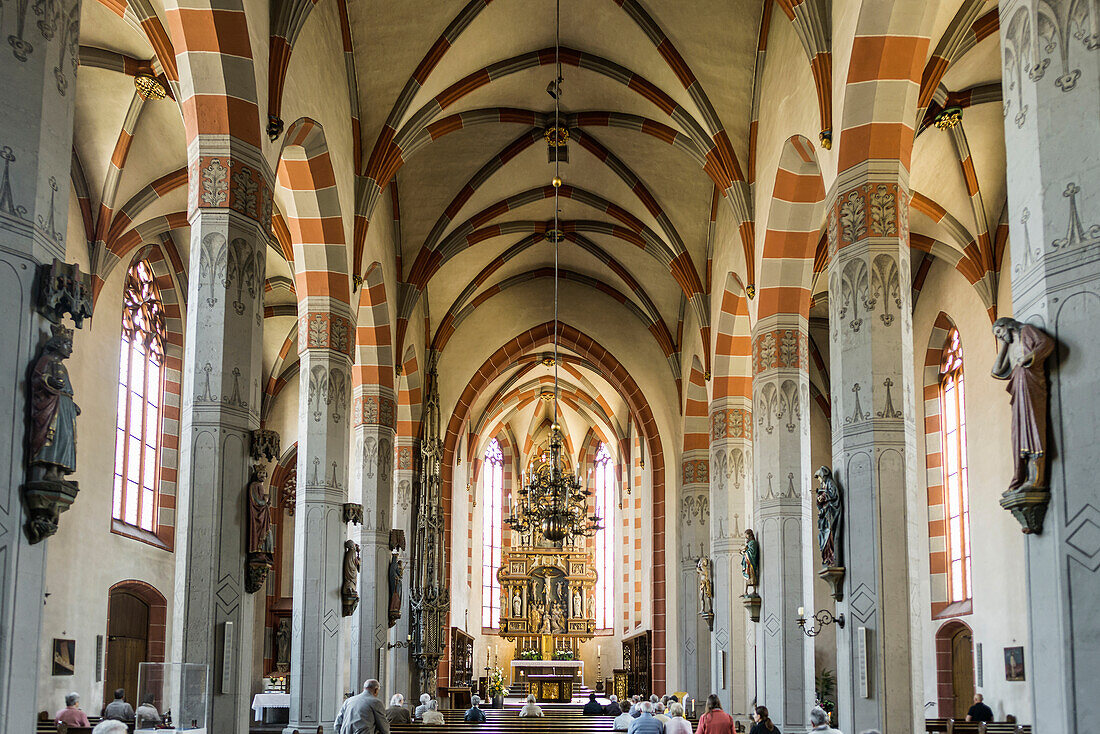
(140, 383)
(955, 487)
(493, 473)
(605, 538)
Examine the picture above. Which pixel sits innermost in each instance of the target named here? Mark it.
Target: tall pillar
(324, 352)
(1052, 99)
(213, 614)
(38, 73)
(399, 675)
(730, 487)
(874, 444)
(374, 441)
(785, 662)
(694, 537)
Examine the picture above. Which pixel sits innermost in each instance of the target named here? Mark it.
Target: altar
(522, 670)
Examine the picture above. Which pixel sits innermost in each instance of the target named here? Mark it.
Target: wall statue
(260, 556)
(517, 605)
(348, 595)
(578, 606)
(393, 576)
(830, 518)
(750, 561)
(282, 645)
(706, 590)
(1021, 362)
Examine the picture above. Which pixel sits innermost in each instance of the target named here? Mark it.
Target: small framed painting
(1014, 663)
(64, 657)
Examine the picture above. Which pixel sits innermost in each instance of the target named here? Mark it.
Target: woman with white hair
(71, 714)
(432, 715)
(419, 712)
(530, 708)
(677, 724)
(110, 726)
(397, 713)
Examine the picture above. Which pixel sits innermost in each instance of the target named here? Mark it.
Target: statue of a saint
(830, 515)
(558, 614)
(260, 537)
(53, 411)
(750, 560)
(351, 569)
(282, 645)
(517, 605)
(1020, 361)
(578, 606)
(706, 587)
(393, 576)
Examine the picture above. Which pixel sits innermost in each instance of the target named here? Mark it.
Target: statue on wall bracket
(1021, 362)
(750, 569)
(260, 558)
(706, 590)
(830, 524)
(394, 574)
(349, 597)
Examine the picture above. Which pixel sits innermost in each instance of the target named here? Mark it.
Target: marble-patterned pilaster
(694, 541)
(874, 445)
(324, 351)
(38, 75)
(732, 650)
(782, 518)
(375, 413)
(1052, 98)
(230, 220)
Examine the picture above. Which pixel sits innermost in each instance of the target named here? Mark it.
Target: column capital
(226, 174)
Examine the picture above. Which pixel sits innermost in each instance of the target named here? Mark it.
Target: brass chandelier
(553, 503)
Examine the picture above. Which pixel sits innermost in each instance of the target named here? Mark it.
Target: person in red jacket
(71, 714)
(715, 720)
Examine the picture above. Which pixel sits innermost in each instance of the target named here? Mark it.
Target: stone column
(375, 414)
(213, 614)
(785, 663)
(38, 74)
(1051, 128)
(730, 487)
(874, 445)
(694, 541)
(399, 674)
(324, 344)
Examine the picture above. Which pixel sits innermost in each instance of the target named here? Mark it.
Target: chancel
(527, 363)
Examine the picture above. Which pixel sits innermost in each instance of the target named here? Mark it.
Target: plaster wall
(999, 618)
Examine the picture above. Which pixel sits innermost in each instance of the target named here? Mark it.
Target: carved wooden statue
(260, 537)
(830, 516)
(1020, 361)
(53, 411)
(750, 560)
(282, 645)
(706, 589)
(394, 574)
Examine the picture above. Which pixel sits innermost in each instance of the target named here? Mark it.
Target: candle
(599, 651)
(802, 611)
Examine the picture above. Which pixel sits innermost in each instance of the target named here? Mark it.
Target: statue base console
(45, 500)
(1028, 506)
(752, 603)
(834, 575)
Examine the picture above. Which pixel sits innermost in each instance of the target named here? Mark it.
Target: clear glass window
(491, 526)
(956, 490)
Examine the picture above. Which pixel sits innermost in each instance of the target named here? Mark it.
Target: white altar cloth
(263, 701)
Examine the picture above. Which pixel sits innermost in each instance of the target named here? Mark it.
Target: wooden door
(127, 645)
(962, 671)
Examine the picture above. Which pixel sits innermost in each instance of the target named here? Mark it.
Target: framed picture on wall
(64, 657)
(1014, 663)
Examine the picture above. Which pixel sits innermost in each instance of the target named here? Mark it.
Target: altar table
(551, 688)
(522, 669)
(263, 701)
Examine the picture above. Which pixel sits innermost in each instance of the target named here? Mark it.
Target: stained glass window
(605, 538)
(956, 488)
(140, 383)
(492, 520)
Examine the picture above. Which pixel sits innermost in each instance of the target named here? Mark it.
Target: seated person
(677, 724)
(593, 707)
(623, 720)
(979, 711)
(118, 709)
(146, 716)
(110, 726)
(530, 708)
(419, 712)
(646, 722)
(659, 713)
(71, 714)
(397, 713)
(431, 714)
(474, 715)
(612, 708)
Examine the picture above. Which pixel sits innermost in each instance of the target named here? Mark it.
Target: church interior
(551, 347)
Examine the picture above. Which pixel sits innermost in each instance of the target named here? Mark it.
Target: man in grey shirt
(363, 714)
(118, 709)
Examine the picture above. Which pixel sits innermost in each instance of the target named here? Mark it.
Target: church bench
(948, 726)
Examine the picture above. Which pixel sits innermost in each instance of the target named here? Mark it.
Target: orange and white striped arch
(372, 372)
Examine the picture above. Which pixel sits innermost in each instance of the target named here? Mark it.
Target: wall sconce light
(822, 618)
(406, 643)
